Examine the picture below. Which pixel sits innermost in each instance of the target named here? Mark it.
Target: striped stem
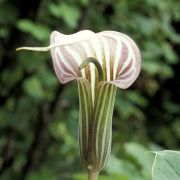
(95, 125)
(96, 63)
(85, 118)
(102, 124)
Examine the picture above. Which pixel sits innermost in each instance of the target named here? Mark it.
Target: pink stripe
(71, 61)
(127, 76)
(61, 76)
(123, 57)
(63, 66)
(78, 47)
(126, 68)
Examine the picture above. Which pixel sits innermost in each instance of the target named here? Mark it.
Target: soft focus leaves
(136, 166)
(143, 157)
(33, 88)
(70, 14)
(37, 30)
(39, 116)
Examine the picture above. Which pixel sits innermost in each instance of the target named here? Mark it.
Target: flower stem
(93, 175)
(96, 63)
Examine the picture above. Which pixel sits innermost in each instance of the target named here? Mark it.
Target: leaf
(121, 169)
(137, 98)
(153, 68)
(166, 165)
(169, 53)
(3, 32)
(171, 107)
(37, 30)
(84, 2)
(70, 14)
(148, 27)
(33, 87)
(128, 109)
(143, 157)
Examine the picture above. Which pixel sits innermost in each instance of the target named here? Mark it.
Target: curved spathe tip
(116, 52)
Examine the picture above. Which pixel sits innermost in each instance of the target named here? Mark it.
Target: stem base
(93, 175)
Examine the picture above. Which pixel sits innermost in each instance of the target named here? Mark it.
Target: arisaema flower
(100, 62)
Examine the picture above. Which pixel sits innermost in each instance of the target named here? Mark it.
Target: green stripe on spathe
(85, 117)
(95, 124)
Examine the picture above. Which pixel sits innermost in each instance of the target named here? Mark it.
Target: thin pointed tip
(43, 49)
(25, 48)
(19, 49)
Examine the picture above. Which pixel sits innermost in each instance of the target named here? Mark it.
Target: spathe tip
(43, 49)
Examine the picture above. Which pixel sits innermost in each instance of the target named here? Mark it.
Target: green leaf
(33, 87)
(137, 98)
(37, 30)
(121, 169)
(169, 53)
(148, 26)
(171, 107)
(140, 154)
(3, 32)
(84, 2)
(166, 165)
(70, 14)
(153, 68)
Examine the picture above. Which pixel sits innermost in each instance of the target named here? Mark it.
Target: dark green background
(39, 116)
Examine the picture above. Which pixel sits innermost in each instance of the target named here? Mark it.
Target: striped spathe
(116, 52)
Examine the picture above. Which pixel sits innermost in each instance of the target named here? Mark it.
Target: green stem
(93, 175)
(96, 63)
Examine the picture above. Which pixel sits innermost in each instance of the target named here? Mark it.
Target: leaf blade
(166, 165)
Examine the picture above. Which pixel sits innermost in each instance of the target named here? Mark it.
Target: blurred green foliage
(39, 116)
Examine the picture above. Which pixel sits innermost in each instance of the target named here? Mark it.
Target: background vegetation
(39, 116)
